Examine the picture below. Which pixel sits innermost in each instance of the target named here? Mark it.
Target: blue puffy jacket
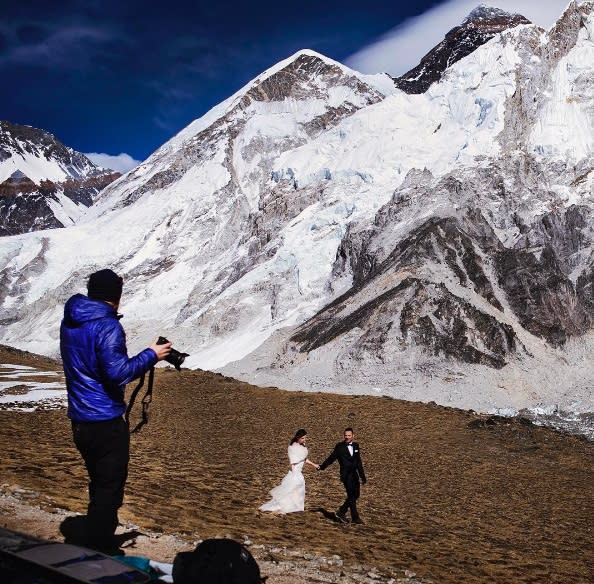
(96, 362)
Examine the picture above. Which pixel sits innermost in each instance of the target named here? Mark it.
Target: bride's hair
(298, 434)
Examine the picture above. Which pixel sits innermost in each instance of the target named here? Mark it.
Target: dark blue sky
(124, 76)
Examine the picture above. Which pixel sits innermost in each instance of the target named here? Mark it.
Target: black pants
(353, 490)
(105, 448)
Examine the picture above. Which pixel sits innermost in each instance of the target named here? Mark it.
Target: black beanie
(105, 285)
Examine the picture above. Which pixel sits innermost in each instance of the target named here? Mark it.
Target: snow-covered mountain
(480, 26)
(323, 229)
(43, 184)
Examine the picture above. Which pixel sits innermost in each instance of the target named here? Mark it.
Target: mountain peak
(300, 75)
(303, 61)
(486, 12)
(479, 27)
(492, 19)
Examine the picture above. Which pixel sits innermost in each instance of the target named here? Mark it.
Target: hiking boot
(357, 521)
(340, 516)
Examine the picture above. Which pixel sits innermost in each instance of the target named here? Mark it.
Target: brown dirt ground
(510, 502)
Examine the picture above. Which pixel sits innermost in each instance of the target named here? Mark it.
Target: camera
(175, 357)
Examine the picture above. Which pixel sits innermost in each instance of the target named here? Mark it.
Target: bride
(289, 496)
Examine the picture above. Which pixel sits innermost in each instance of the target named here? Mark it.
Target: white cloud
(402, 48)
(122, 162)
(69, 46)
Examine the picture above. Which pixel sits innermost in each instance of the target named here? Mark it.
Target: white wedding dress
(289, 496)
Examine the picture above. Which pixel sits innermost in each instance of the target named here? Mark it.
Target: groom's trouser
(353, 490)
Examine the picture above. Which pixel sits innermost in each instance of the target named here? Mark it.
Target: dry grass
(504, 503)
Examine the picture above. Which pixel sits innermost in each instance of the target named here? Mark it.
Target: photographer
(97, 368)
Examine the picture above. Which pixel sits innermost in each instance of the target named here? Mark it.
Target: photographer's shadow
(74, 530)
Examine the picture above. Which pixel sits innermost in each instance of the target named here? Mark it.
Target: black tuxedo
(351, 470)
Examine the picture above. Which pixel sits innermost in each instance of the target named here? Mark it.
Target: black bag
(216, 561)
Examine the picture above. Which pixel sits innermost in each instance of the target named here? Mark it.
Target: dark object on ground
(27, 560)
(216, 561)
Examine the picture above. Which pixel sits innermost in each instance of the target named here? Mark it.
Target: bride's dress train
(289, 496)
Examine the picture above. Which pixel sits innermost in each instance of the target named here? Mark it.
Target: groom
(351, 469)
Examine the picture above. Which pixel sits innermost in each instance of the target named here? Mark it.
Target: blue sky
(122, 77)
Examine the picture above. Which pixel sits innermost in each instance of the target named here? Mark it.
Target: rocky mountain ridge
(43, 183)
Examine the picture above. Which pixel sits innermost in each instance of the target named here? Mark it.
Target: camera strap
(146, 400)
